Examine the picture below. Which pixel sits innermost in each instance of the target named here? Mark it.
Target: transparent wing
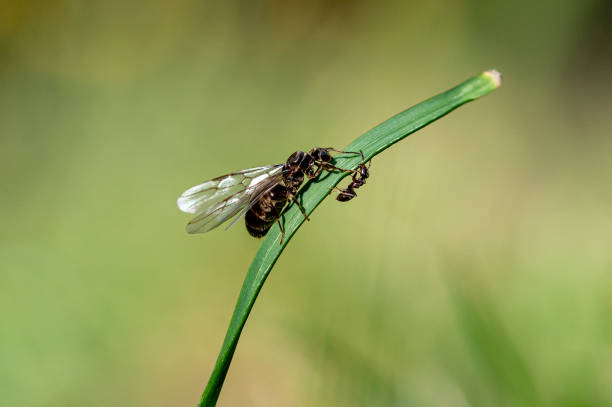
(253, 201)
(206, 222)
(219, 199)
(200, 198)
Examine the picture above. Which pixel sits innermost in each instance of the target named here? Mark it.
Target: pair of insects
(261, 194)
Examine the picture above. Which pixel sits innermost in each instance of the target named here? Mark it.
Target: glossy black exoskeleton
(268, 208)
(358, 180)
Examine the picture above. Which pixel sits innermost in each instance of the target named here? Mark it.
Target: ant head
(321, 154)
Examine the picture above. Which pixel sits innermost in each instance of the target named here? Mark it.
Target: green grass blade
(371, 143)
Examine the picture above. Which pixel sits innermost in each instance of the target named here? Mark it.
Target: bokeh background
(474, 269)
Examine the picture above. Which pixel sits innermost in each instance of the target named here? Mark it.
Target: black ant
(358, 179)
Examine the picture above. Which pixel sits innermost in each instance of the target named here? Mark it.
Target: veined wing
(207, 221)
(219, 199)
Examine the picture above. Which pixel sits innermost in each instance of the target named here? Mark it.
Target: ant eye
(325, 156)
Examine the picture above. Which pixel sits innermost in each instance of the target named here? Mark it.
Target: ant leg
(346, 152)
(279, 215)
(362, 156)
(282, 231)
(294, 199)
(327, 167)
(315, 174)
(339, 190)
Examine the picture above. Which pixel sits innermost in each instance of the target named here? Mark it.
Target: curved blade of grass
(371, 143)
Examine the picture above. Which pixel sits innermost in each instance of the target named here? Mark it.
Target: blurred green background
(474, 269)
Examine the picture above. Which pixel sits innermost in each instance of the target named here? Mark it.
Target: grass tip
(495, 76)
